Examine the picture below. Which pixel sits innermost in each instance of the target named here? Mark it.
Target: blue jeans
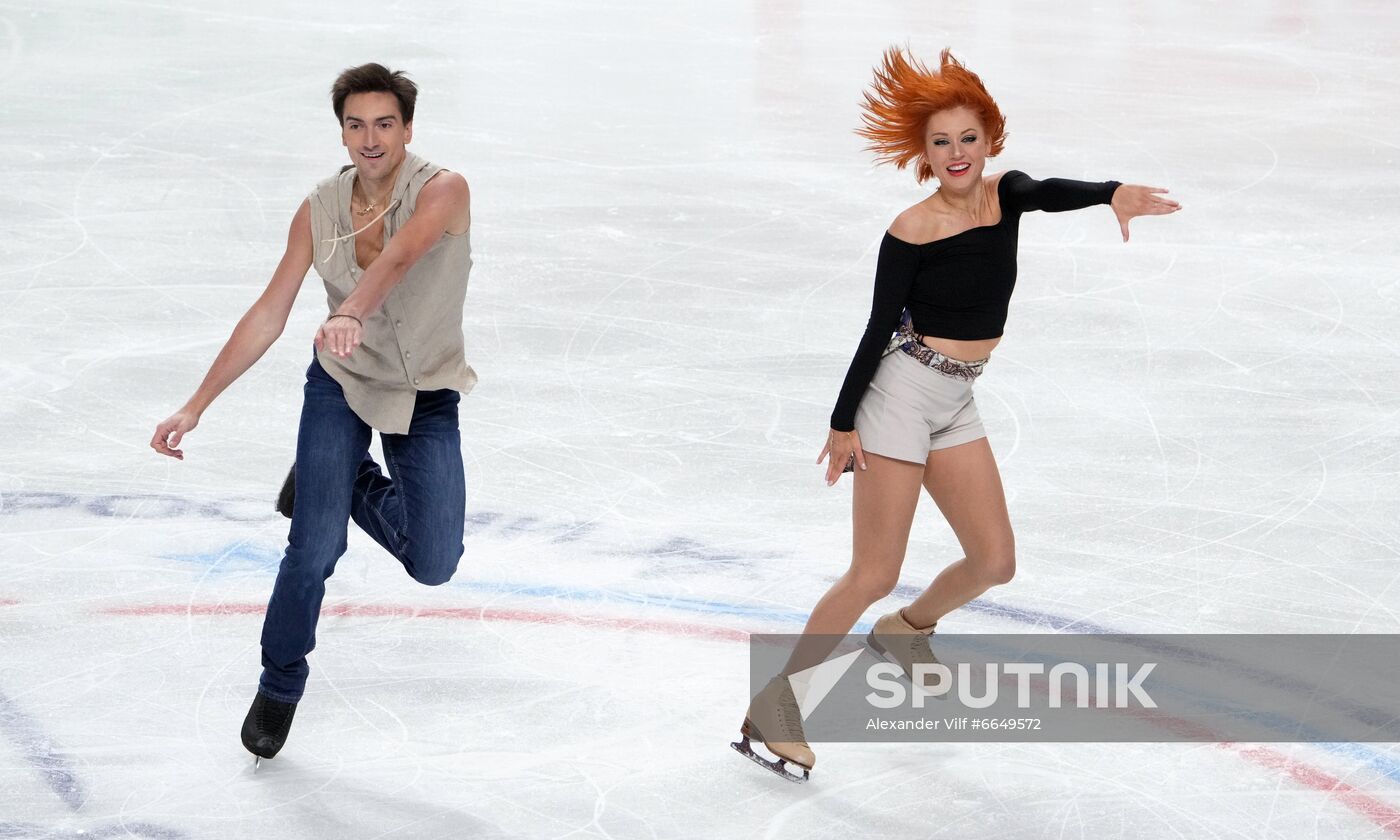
(416, 513)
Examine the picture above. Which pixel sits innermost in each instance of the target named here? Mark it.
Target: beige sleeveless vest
(414, 342)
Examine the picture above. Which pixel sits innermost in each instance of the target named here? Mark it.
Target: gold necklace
(369, 208)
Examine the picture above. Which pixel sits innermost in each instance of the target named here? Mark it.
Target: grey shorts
(912, 408)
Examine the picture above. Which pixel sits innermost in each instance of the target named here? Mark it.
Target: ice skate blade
(778, 767)
(880, 653)
(257, 762)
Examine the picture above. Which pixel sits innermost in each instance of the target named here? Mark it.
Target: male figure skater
(388, 235)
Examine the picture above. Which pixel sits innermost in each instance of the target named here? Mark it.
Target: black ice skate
(266, 726)
(287, 498)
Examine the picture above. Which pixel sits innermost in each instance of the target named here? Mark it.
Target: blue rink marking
(709, 606)
(1384, 764)
(240, 557)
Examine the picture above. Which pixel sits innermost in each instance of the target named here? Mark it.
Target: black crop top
(959, 286)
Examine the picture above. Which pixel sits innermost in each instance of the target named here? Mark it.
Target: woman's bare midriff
(963, 351)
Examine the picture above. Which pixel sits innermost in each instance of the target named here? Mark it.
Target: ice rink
(674, 230)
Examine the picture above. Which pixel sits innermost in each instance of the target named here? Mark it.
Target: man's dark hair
(374, 78)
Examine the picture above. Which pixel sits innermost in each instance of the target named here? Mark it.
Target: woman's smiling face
(955, 146)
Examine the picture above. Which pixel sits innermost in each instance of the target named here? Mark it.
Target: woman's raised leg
(966, 485)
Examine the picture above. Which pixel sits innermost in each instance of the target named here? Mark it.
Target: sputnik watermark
(1099, 688)
(953, 724)
(1113, 687)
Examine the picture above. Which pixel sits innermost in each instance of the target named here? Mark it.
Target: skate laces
(922, 651)
(273, 715)
(789, 715)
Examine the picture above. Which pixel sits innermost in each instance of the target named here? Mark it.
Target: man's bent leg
(431, 488)
(331, 443)
(375, 507)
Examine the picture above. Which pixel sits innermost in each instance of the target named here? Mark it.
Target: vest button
(407, 355)
(415, 380)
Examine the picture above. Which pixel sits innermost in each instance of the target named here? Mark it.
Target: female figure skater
(905, 417)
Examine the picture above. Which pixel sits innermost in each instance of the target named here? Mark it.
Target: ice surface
(675, 231)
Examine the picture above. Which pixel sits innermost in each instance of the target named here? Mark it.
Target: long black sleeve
(895, 270)
(964, 281)
(1021, 192)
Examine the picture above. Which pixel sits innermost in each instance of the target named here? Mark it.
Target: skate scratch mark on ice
(36, 748)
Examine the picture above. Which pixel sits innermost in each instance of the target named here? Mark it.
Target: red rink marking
(677, 628)
(8, 602)
(1374, 810)
(1378, 812)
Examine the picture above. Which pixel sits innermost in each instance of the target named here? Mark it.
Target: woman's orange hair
(906, 94)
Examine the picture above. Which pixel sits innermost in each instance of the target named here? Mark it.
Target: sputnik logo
(811, 685)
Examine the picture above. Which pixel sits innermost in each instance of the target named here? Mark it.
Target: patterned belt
(912, 345)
